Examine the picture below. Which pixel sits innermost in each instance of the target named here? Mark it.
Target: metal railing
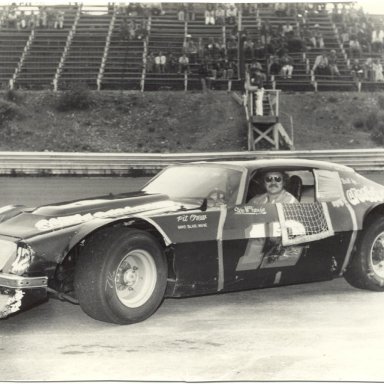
(22, 59)
(106, 50)
(87, 164)
(68, 43)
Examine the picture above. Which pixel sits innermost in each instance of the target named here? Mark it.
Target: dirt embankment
(176, 122)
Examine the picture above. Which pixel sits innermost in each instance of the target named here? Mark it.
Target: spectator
(21, 21)
(231, 15)
(203, 74)
(287, 30)
(213, 71)
(181, 13)
(274, 67)
(377, 39)
(210, 48)
(134, 10)
(209, 15)
(307, 38)
(141, 30)
(220, 15)
(256, 84)
(43, 17)
(190, 48)
(124, 32)
(336, 17)
(296, 44)
(344, 36)
(377, 70)
(280, 9)
(171, 66)
(220, 47)
(131, 30)
(332, 62)
(59, 20)
(232, 47)
(184, 64)
(216, 69)
(190, 12)
(257, 77)
(200, 48)
(265, 32)
(150, 64)
(368, 69)
(157, 9)
(321, 65)
(249, 49)
(228, 69)
(275, 43)
(317, 38)
(12, 18)
(286, 66)
(160, 62)
(259, 49)
(354, 48)
(32, 20)
(357, 70)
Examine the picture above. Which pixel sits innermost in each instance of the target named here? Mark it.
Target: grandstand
(89, 48)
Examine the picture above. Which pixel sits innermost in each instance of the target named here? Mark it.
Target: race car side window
(328, 185)
(255, 186)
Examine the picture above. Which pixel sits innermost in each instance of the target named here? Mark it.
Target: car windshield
(196, 182)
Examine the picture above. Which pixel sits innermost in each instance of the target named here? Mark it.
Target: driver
(275, 192)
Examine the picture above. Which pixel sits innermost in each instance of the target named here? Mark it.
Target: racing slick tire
(366, 269)
(121, 276)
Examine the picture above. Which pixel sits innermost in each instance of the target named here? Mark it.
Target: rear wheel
(366, 270)
(121, 276)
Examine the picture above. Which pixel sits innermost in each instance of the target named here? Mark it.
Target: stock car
(191, 231)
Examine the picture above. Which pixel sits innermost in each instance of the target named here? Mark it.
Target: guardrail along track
(69, 163)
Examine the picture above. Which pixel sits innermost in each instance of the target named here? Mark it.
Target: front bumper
(18, 292)
(13, 281)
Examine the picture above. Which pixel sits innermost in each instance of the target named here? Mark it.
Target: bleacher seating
(124, 63)
(167, 35)
(85, 54)
(41, 61)
(11, 48)
(97, 56)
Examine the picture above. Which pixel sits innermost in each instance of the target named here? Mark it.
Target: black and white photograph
(191, 192)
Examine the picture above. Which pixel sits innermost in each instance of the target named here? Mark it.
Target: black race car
(191, 231)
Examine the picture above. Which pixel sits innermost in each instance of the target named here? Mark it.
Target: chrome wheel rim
(377, 255)
(135, 278)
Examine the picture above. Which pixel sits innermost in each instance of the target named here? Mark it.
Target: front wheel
(366, 269)
(121, 276)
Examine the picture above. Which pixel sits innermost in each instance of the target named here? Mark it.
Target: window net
(302, 223)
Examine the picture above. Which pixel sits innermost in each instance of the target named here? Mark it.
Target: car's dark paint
(205, 247)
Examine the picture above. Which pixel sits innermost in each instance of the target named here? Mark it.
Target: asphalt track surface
(321, 332)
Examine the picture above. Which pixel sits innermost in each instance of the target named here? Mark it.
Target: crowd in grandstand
(208, 56)
(270, 46)
(17, 17)
(274, 45)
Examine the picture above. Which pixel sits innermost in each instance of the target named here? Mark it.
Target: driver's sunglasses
(269, 179)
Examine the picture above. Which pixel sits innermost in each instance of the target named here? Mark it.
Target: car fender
(95, 225)
(53, 247)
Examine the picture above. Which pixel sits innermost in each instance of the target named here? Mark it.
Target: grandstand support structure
(145, 54)
(264, 126)
(106, 49)
(22, 58)
(66, 49)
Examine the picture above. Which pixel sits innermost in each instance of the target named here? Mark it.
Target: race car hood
(30, 222)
